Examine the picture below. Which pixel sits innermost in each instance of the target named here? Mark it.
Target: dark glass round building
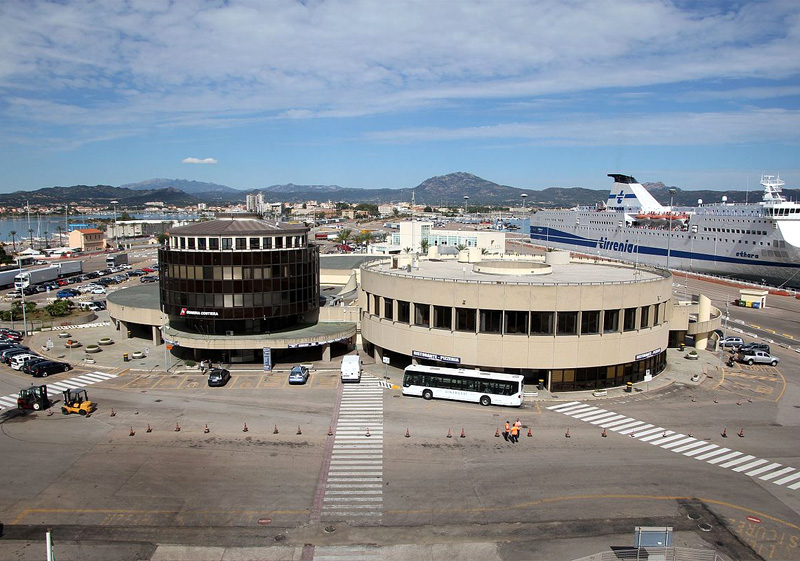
(239, 275)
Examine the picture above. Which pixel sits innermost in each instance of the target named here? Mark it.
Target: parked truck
(31, 277)
(116, 259)
(7, 277)
(70, 268)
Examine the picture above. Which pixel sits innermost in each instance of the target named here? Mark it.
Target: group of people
(511, 432)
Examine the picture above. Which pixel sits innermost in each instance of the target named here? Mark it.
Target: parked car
(148, 278)
(731, 342)
(44, 369)
(67, 293)
(8, 354)
(754, 346)
(298, 375)
(29, 364)
(136, 273)
(101, 304)
(218, 377)
(148, 270)
(62, 282)
(18, 361)
(757, 357)
(99, 290)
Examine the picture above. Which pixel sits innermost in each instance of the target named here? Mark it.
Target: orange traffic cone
(132, 432)
(298, 430)
(497, 433)
(408, 434)
(244, 428)
(530, 432)
(330, 430)
(149, 428)
(741, 433)
(725, 432)
(463, 434)
(566, 434)
(604, 434)
(367, 433)
(177, 427)
(449, 434)
(113, 413)
(206, 430)
(274, 431)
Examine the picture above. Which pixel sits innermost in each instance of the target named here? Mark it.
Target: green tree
(125, 216)
(344, 235)
(342, 206)
(60, 235)
(424, 245)
(47, 239)
(5, 258)
(461, 247)
(427, 209)
(12, 234)
(162, 239)
(30, 237)
(15, 313)
(365, 238)
(59, 308)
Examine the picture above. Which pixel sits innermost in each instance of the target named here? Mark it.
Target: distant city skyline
(702, 95)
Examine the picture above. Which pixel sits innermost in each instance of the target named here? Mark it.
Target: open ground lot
(157, 495)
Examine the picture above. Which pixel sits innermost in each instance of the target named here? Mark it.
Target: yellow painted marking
(721, 379)
(787, 335)
(770, 330)
(755, 326)
(169, 383)
(243, 382)
(783, 389)
(538, 408)
(143, 382)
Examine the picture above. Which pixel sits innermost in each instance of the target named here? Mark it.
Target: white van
(18, 360)
(351, 368)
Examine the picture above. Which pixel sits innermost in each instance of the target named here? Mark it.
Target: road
(109, 494)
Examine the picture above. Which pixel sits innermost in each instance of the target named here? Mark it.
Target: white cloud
(199, 161)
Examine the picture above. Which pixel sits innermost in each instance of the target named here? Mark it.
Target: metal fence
(656, 554)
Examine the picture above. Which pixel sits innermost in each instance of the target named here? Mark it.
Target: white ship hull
(752, 242)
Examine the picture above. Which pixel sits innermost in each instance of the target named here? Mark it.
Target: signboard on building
(648, 354)
(267, 359)
(436, 357)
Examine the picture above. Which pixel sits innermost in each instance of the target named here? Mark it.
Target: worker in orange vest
(514, 433)
(506, 430)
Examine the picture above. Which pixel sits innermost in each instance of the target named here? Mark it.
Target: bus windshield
(486, 388)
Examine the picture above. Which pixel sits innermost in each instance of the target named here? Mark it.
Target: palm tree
(423, 246)
(47, 239)
(461, 247)
(30, 237)
(60, 234)
(12, 234)
(365, 238)
(344, 235)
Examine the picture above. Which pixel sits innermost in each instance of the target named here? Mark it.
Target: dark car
(101, 304)
(136, 273)
(754, 346)
(148, 278)
(29, 364)
(44, 369)
(93, 275)
(218, 377)
(8, 353)
(298, 375)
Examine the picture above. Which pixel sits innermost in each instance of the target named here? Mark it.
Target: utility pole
(669, 235)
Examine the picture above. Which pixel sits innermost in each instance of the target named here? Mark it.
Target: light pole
(115, 224)
(672, 192)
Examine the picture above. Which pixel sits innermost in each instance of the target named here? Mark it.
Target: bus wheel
(427, 394)
(485, 400)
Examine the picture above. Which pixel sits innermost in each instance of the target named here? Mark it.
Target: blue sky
(359, 93)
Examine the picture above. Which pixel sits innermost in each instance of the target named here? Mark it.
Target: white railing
(652, 553)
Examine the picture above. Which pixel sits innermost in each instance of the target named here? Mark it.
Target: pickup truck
(757, 357)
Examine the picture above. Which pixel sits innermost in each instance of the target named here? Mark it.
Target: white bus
(486, 388)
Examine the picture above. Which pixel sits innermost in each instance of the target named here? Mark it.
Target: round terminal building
(575, 324)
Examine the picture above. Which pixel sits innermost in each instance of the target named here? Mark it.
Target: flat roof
(145, 295)
(236, 227)
(570, 273)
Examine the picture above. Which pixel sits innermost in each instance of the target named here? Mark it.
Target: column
(326, 352)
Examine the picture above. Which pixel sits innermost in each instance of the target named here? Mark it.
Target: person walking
(514, 433)
(506, 430)
(518, 424)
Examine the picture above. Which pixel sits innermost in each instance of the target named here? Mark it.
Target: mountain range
(443, 190)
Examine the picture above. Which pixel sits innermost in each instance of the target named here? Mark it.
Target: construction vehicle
(33, 398)
(76, 400)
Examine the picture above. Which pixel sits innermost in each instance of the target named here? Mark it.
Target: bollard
(683, 347)
(129, 334)
(541, 384)
(125, 357)
(629, 387)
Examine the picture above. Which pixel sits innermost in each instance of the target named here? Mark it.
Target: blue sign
(267, 359)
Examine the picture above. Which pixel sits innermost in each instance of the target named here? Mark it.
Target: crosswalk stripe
(667, 439)
(561, 405)
(695, 444)
(788, 478)
(658, 435)
(604, 415)
(677, 442)
(642, 432)
(601, 422)
(713, 453)
(737, 461)
(8, 401)
(761, 470)
(726, 457)
(750, 465)
(795, 486)
(582, 414)
(627, 426)
(775, 474)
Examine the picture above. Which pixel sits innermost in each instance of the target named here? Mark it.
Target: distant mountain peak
(186, 185)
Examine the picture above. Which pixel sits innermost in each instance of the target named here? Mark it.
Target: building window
(227, 243)
(254, 243)
(590, 322)
(422, 315)
(657, 314)
(278, 242)
(645, 317)
(443, 317)
(183, 243)
(610, 321)
(201, 243)
(403, 312)
(567, 323)
(388, 308)
(376, 305)
(491, 321)
(516, 323)
(629, 321)
(213, 243)
(542, 323)
(241, 243)
(465, 319)
(267, 243)
(190, 243)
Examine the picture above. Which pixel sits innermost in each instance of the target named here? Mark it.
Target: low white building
(411, 234)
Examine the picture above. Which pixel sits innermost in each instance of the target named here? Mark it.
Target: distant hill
(185, 185)
(97, 195)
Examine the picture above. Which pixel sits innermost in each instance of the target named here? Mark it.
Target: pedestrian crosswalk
(683, 444)
(55, 388)
(354, 486)
(80, 326)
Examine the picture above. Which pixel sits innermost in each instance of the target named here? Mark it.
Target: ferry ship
(750, 241)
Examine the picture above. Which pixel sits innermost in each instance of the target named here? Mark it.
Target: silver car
(757, 357)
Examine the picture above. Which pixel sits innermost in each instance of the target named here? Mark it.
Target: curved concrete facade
(585, 325)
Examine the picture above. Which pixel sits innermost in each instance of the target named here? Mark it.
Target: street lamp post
(116, 246)
(466, 201)
(672, 192)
